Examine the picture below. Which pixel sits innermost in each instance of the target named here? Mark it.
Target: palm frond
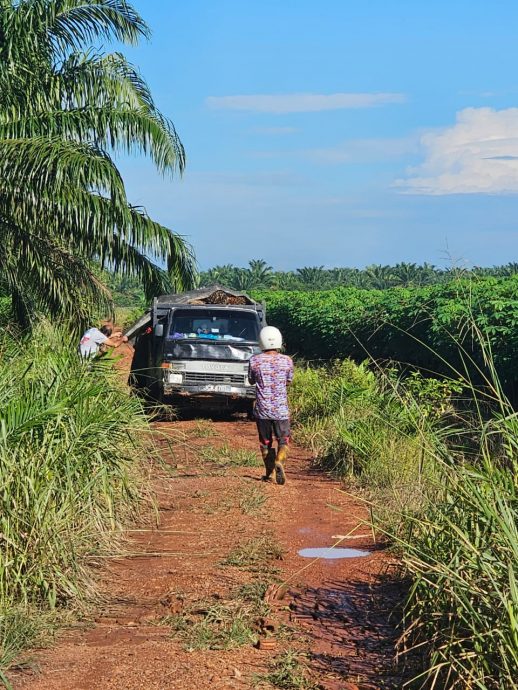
(65, 110)
(72, 23)
(48, 277)
(121, 128)
(39, 163)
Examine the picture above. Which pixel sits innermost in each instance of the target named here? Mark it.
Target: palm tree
(285, 280)
(313, 277)
(359, 279)
(243, 279)
(406, 274)
(224, 275)
(380, 277)
(261, 272)
(64, 110)
(347, 277)
(509, 269)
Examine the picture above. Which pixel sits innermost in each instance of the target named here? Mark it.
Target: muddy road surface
(217, 596)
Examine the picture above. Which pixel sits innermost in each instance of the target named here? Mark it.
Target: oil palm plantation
(65, 111)
(224, 275)
(313, 277)
(261, 272)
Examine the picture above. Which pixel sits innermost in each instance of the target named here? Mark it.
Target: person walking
(271, 372)
(95, 338)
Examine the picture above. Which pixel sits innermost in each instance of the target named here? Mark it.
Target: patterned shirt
(271, 374)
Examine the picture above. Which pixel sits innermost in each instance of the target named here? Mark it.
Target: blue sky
(338, 133)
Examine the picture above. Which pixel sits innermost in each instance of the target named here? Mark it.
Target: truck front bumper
(210, 389)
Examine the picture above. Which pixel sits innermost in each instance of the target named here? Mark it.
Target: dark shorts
(268, 428)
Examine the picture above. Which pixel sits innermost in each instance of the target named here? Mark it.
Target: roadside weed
(226, 456)
(204, 428)
(70, 442)
(221, 624)
(289, 671)
(18, 630)
(252, 501)
(439, 474)
(253, 594)
(255, 552)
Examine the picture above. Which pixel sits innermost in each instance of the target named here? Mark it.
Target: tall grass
(69, 473)
(463, 557)
(463, 605)
(445, 490)
(362, 426)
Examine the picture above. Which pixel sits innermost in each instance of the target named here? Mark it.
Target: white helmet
(270, 338)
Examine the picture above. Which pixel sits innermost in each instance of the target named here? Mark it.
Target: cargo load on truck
(195, 346)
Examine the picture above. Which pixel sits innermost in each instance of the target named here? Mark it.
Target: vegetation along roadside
(436, 459)
(426, 429)
(69, 432)
(70, 440)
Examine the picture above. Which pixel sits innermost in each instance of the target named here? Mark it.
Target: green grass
(289, 671)
(226, 456)
(361, 427)
(255, 552)
(221, 625)
(20, 629)
(253, 593)
(70, 448)
(204, 428)
(215, 626)
(252, 500)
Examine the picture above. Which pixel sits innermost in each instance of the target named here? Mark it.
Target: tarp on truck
(215, 294)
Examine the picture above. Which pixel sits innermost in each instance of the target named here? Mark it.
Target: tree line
(259, 275)
(127, 290)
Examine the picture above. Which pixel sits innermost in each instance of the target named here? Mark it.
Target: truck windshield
(212, 324)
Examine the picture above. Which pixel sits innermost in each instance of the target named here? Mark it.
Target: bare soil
(341, 613)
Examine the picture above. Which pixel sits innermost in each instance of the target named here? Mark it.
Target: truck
(192, 348)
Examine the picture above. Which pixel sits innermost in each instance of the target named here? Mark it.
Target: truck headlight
(175, 378)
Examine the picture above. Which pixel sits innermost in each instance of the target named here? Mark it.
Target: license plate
(222, 389)
(217, 388)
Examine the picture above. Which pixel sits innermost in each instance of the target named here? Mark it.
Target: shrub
(418, 326)
(360, 425)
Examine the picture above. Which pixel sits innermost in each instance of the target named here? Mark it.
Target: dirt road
(184, 610)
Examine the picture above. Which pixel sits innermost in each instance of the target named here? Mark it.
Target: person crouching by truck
(95, 340)
(272, 372)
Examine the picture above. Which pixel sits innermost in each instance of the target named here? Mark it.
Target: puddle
(330, 553)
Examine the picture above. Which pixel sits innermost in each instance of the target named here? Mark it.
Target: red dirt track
(339, 611)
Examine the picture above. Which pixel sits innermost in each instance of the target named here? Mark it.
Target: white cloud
(302, 102)
(477, 155)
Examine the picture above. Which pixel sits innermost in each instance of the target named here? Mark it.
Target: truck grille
(193, 378)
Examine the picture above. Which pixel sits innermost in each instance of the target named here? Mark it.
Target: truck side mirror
(159, 330)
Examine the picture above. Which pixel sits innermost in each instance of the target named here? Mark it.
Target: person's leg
(265, 430)
(282, 432)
